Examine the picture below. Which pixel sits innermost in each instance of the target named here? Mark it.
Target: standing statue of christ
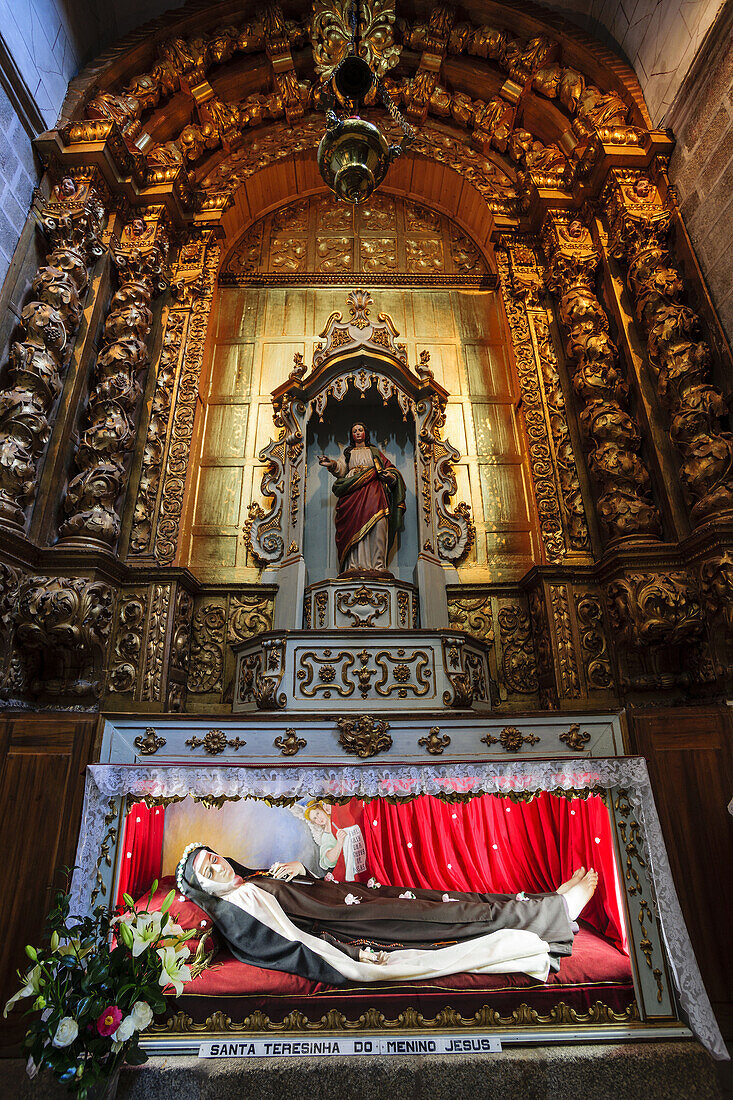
(370, 508)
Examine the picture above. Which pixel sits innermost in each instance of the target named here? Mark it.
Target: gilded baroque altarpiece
(516, 314)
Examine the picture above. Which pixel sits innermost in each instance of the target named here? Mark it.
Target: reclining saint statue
(286, 919)
(370, 508)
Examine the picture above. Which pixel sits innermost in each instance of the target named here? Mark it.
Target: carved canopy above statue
(361, 353)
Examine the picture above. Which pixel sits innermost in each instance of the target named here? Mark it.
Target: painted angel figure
(334, 842)
(370, 508)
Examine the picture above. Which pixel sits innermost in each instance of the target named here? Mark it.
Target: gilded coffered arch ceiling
(501, 93)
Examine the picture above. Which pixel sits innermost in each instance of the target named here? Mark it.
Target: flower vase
(106, 1090)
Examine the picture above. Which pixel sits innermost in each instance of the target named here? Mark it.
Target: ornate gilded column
(159, 501)
(93, 497)
(624, 502)
(679, 357)
(72, 220)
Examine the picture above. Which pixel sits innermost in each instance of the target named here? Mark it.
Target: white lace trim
(105, 781)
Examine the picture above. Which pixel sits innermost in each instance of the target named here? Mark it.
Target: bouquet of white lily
(96, 985)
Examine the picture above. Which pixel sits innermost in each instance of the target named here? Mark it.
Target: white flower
(408, 895)
(521, 896)
(351, 899)
(142, 1015)
(145, 931)
(373, 884)
(66, 1032)
(447, 897)
(31, 988)
(173, 971)
(125, 1031)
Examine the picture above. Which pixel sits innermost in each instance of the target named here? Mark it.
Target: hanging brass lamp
(354, 155)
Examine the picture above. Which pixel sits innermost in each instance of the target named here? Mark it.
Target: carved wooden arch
(364, 353)
(438, 187)
(199, 86)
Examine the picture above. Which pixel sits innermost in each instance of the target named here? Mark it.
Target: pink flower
(328, 877)
(109, 1021)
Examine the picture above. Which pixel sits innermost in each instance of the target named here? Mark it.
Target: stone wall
(702, 164)
(660, 40)
(18, 177)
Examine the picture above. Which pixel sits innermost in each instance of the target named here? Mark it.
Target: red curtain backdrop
(142, 850)
(493, 845)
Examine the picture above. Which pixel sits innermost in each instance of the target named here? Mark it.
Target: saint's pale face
(358, 435)
(211, 866)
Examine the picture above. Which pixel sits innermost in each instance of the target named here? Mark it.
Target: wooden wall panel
(42, 762)
(690, 756)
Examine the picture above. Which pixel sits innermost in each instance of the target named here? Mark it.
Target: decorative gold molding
(435, 742)
(574, 738)
(215, 742)
(333, 1021)
(150, 743)
(364, 736)
(291, 743)
(181, 431)
(511, 739)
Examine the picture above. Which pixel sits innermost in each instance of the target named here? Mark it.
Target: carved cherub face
(67, 187)
(643, 188)
(137, 228)
(575, 229)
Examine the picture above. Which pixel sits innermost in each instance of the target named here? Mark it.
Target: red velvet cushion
(593, 960)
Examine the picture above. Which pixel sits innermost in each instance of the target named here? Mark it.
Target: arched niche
(359, 356)
(391, 424)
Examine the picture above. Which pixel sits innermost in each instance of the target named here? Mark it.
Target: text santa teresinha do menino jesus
(289, 1048)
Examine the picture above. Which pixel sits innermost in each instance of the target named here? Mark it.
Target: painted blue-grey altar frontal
(661, 948)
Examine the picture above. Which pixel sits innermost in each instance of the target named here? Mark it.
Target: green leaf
(168, 902)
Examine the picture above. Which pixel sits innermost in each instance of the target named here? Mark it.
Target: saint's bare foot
(578, 896)
(574, 879)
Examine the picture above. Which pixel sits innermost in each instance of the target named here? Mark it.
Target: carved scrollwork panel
(181, 432)
(472, 614)
(516, 291)
(355, 605)
(62, 629)
(594, 645)
(403, 671)
(206, 664)
(248, 616)
(127, 643)
(518, 662)
(325, 673)
(563, 634)
(652, 609)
